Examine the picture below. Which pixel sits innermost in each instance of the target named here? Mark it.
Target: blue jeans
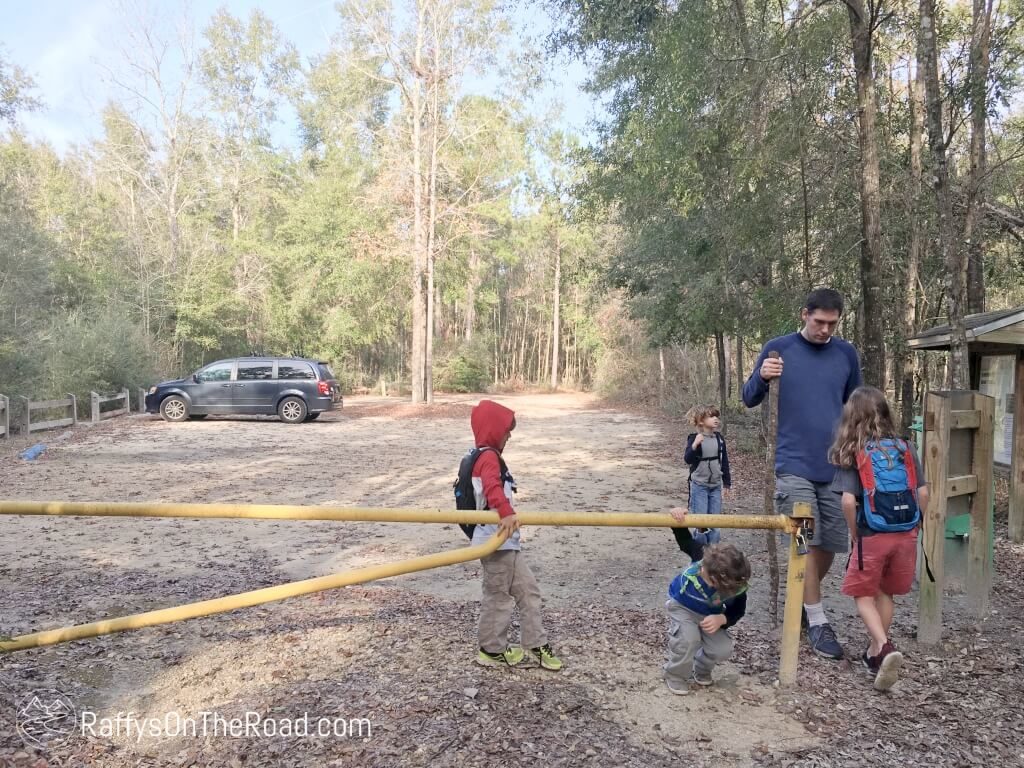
(704, 499)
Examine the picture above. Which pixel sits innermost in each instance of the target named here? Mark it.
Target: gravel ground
(389, 666)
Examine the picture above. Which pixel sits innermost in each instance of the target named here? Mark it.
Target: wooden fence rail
(69, 404)
(97, 399)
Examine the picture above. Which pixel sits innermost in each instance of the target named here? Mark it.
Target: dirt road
(399, 653)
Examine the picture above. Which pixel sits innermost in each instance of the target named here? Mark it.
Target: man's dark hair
(824, 298)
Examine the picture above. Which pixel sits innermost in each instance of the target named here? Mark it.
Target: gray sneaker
(823, 641)
(702, 678)
(679, 689)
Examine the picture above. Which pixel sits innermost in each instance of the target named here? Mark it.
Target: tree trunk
(661, 376)
(861, 27)
(428, 342)
(471, 286)
(952, 254)
(974, 222)
(495, 318)
(723, 371)
(556, 320)
(236, 201)
(739, 365)
(434, 79)
(419, 308)
(728, 370)
(903, 358)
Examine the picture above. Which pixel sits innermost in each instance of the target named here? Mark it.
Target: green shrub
(465, 368)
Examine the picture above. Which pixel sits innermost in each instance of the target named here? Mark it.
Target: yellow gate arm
(388, 515)
(249, 599)
(796, 526)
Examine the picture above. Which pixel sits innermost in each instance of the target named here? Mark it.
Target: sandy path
(603, 587)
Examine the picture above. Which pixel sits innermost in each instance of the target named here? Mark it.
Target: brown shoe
(887, 664)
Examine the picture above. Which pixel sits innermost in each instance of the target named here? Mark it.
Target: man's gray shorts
(830, 530)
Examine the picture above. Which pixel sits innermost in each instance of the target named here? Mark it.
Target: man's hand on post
(771, 368)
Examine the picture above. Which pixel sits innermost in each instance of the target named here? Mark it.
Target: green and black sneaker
(509, 657)
(546, 658)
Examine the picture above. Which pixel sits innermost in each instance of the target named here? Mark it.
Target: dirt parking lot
(397, 653)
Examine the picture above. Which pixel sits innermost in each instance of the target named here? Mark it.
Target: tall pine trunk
(903, 359)
(952, 254)
(723, 369)
(981, 25)
(471, 287)
(556, 320)
(862, 23)
(417, 358)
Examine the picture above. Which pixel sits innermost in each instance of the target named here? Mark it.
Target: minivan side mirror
(195, 378)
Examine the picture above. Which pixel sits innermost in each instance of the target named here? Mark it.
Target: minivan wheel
(312, 416)
(174, 408)
(292, 410)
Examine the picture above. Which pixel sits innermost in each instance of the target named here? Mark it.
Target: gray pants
(830, 530)
(509, 583)
(691, 647)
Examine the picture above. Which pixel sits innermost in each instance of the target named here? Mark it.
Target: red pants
(889, 564)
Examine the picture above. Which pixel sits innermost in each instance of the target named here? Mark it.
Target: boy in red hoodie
(507, 580)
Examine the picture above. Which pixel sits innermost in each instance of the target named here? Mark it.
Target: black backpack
(465, 497)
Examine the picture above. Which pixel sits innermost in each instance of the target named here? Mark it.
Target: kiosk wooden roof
(1002, 332)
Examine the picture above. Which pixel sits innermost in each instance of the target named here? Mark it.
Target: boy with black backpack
(484, 482)
(883, 489)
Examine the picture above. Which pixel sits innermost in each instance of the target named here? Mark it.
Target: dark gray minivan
(296, 389)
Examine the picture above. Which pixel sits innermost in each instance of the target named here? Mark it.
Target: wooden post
(5, 404)
(771, 438)
(74, 410)
(28, 414)
(790, 652)
(979, 562)
(95, 407)
(933, 540)
(127, 401)
(142, 400)
(1017, 457)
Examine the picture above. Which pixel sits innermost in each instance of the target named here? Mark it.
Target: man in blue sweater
(816, 372)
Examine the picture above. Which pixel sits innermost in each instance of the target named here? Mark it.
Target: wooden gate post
(979, 560)
(933, 541)
(790, 651)
(28, 414)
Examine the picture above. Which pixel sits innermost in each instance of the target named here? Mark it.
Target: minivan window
(325, 371)
(255, 371)
(218, 372)
(294, 371)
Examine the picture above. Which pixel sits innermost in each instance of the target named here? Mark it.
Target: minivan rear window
(294, 371)
(325, 371)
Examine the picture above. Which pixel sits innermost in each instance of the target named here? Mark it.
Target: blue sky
(64, 46)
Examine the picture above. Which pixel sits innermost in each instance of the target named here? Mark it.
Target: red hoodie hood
(490, 422)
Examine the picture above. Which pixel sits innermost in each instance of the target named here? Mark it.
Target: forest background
(398, 204)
